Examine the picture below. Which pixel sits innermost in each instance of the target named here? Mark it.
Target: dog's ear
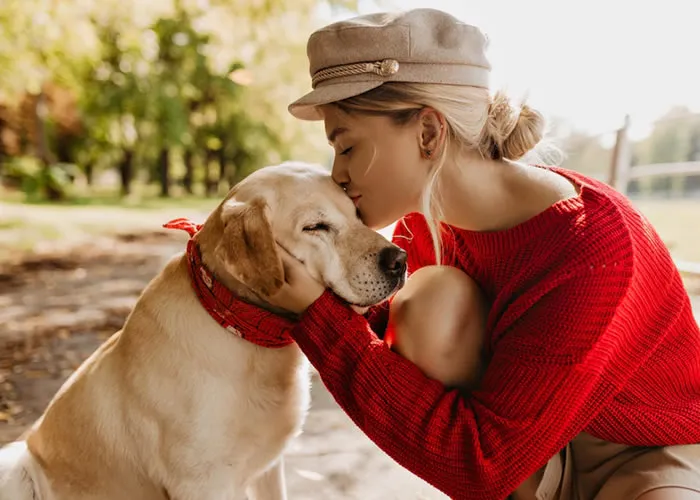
(247, 247)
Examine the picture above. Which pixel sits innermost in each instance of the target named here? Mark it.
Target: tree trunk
(64, 153)
(231, 176)
(42, 147)
(89, 170)
(222, 165)
(237, 168)
(164, 171)
(126, 172)
(3, 152)
(209, 181)
(189, 170)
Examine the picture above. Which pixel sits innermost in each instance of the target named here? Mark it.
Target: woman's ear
(432, 132)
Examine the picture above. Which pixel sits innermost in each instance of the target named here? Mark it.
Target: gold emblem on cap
(388, 67)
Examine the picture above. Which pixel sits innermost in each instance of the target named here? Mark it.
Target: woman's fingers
(300, 289)
(290, 264)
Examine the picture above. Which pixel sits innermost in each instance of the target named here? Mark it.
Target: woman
(592, 380)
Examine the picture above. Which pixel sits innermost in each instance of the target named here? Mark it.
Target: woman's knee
(439, 319)
(441, 292)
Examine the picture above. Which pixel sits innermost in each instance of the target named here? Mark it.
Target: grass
(132, 203)
(40, 226)
(678, 224)
(11, 223)
(29, 224)
(142, 199)
(21, 237)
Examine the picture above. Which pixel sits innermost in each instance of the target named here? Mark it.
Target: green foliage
(34, 179)
(208, 80)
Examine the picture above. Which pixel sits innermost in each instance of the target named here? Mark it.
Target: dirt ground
(56, 309)
(58, 305)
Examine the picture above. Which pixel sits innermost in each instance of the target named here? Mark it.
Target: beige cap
(353, 56)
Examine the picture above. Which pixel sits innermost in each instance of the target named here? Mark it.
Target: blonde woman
(591, 385)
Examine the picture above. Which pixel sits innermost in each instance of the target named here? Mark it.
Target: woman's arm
(378, 319)
(546, 382)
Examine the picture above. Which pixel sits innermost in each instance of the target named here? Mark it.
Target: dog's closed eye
(317, 227)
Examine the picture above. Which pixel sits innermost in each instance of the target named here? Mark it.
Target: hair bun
(511, 132)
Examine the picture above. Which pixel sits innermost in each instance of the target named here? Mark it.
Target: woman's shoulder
(602, 225)
(592, 224)
(599, 216)
(603, 217)
(597, 225)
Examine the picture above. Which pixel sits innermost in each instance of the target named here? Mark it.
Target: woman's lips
(356, 200)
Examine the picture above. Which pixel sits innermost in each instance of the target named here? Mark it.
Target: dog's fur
(175, 407)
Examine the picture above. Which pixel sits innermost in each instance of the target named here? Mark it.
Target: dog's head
(301, 208)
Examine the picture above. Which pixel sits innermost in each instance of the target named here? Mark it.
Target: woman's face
(378, 163)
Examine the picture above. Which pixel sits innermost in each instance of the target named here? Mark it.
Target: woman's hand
(299, 289)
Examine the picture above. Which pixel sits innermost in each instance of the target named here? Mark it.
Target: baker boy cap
(350, 57)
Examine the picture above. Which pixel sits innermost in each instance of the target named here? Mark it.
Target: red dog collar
(244, 320)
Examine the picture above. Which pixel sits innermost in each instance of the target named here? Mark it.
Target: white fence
(622, 172)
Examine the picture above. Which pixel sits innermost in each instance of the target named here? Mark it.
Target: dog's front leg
(270, 485)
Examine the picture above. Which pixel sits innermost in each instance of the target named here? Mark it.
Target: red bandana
(245, 320)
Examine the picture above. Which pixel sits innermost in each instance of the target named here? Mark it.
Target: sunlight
(591, 62)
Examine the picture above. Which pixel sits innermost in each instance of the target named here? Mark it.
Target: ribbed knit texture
(590, 330)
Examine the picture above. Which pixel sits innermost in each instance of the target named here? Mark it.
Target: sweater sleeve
(403, 236)
(549, 376)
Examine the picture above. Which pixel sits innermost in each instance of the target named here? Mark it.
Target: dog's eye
(319, 226)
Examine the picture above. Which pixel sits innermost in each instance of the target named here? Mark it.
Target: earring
(428, 153)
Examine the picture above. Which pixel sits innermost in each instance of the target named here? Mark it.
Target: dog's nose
(392, 261)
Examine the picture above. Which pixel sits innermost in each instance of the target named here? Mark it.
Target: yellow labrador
(174, 405)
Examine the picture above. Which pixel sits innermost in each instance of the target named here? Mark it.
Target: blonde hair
(476, 122)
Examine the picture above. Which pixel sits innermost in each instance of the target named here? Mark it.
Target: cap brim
(306, 108)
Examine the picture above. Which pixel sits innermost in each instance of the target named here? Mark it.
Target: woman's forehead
(336, 122)
(333, 117)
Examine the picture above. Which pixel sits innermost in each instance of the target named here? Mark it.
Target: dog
(178, 405)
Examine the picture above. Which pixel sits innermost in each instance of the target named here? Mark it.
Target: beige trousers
(589, 468)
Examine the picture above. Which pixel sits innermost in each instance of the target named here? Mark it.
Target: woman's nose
(340, 175)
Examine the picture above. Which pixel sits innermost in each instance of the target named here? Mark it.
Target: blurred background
(118, 115)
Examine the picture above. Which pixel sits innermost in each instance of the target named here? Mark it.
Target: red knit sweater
(590, 330)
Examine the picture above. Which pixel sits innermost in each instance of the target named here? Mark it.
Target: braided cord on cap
(387, 67)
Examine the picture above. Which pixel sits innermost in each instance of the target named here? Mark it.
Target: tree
(152, 83)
